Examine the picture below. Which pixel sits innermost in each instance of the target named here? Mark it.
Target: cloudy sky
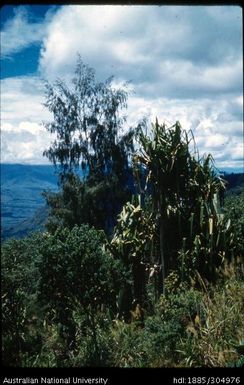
(184, 63)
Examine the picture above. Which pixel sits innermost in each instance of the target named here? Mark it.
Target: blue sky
(184, 63)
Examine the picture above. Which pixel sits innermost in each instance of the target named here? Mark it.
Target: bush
(53, 289)
(155, 343)
(77, 275)
(20, 313)
(234, 208)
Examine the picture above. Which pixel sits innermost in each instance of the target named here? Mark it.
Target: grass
(189, 328)
(201, 325)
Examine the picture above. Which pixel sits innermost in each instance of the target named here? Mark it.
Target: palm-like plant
(131, 244)
(164, 157)
(185, 196)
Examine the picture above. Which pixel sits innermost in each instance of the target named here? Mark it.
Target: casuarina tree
(90, 152)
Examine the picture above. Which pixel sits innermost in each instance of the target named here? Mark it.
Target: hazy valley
(23, 207)
(22, 203)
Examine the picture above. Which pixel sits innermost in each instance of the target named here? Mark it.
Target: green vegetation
(64, 313)
(87, 124)
(163, 287)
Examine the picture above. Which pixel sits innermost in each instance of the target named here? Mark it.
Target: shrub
(76, 275)
(20, 314)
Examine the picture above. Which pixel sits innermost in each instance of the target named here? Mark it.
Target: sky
(184, 63)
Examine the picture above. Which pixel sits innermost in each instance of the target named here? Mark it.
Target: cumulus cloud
(22, 99)
(164, 50)
(185, 64)
(223, 139)
(23, 136)
(23, 143)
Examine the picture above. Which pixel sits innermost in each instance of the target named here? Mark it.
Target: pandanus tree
(186, 194)
(185, 230)
(87, 125)
(165, 158)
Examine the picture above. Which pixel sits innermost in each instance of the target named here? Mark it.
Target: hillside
(235, 183)
(21, 199)
(23, 207)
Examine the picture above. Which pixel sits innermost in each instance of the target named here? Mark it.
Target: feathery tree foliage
(87, 123)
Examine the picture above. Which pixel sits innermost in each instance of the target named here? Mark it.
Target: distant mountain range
(23, 207)
(21, 199)
(235, 183)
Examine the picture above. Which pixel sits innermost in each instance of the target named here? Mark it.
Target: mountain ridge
(21, 193)
(23, 208)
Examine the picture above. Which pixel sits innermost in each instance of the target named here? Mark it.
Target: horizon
(227, 170)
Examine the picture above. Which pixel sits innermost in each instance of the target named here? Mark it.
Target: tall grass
(189, 328)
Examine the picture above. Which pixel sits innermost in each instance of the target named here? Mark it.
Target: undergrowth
(188, 327)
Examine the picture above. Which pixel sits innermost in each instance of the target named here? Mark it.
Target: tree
(89, 151)
(185, 192)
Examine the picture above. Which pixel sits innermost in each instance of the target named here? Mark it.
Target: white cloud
(27, 127)
(22, 99)
(185, 64)
(19, 33)
(23, 143)
(149, 44)
(23, 137)
(186, 78)
(224, 140)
